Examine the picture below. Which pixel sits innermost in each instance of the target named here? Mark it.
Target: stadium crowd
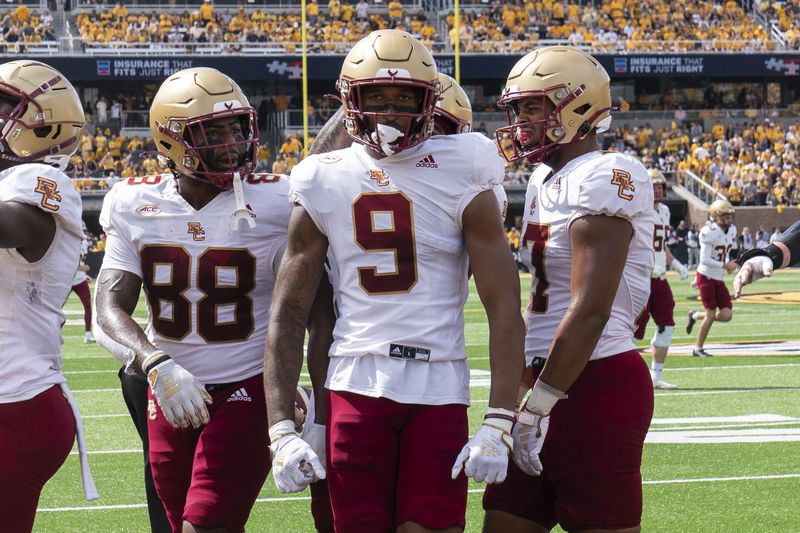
(25, 26)
(510, 26)
(332, 30)
(618, 25)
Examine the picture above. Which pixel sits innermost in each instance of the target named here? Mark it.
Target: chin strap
(242, 211)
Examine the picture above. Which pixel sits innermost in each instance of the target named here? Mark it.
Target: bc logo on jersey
(49, 191)
(196, 231)
(380, 176)
(623, 180)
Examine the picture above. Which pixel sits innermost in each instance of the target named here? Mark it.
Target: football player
(41, 121)
(453, 113)
(399, 216)
(80, 286)
(588, 239)
(717, 238)
(205, 242)
(661, 302)
(759, 263)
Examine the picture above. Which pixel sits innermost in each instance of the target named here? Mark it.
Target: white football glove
(182, 398)
(528, 434)
(294, 464)
(313, 433)
(530, 430)
(680, 268)
(486, 454)
(752, 270)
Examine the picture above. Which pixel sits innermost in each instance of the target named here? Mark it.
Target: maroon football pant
(211, 476)
(36, 437)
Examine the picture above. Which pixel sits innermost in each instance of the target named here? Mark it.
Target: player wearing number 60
(205, 241)
(401, 217)
(587, 237)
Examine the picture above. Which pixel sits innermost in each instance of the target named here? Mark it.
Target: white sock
(697, 315)
(657, 367)
(698, 348)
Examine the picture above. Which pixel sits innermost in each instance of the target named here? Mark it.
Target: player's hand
(485, 456)
(752, 270)
(182, 398)
(680, 268)
(294, 464)
(529, 433)
(730, 266)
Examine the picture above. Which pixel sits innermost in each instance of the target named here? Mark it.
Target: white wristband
(542, 399)
(281, 429)
(502, 419)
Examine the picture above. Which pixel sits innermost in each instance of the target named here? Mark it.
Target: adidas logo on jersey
(240, 396)
(427, 162)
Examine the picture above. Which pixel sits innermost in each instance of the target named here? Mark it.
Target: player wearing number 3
(401, 217)
(208, 278)
(587, 237)
(717, 238)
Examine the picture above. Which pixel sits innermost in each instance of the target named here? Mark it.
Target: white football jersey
(715, 248)
(397, 258)
(596, 183)
(660, 234)
(32, 294)
(208, 286)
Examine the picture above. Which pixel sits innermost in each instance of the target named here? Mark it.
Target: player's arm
(760, 262)
(296, 286)
(332, 136)
(599, 252)
(27, 227)
(116, 296)
(321, 321)
(497, 281)
(181, 397)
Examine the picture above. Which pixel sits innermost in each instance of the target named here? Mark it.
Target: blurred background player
(661, 303)
(40, 246)
(588, 240)
(398, 385)
(717, 238)
(453, 112)
(759, 263)
(80, 286)
(208, 276)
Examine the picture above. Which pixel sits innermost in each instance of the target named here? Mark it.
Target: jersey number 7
(538, 235)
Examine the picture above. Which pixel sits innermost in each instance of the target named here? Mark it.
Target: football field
(722, 455)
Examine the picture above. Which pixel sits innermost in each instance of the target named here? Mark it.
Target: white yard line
(474, 491)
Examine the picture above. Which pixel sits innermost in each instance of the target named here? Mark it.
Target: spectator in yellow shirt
(207, 11)
(395, 12)
(335, 9)
(312, 12)
(291, 146)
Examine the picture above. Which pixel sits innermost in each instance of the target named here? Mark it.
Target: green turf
(689, 487)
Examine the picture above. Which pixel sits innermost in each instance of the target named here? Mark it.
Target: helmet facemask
(199, 151)
(383, 137)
